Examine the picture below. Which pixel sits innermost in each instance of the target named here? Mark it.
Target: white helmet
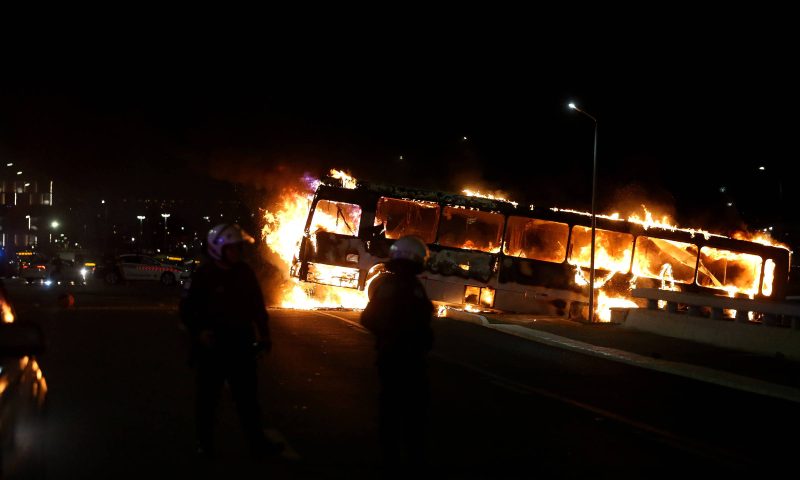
(409, 248)
(226, 234)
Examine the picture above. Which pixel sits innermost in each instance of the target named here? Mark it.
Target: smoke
(633, 198)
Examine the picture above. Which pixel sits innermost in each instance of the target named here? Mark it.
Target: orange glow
(8, 314)
(487, 297)
(582, 279)
(612, 249)
(284, 227)
(648, 221)
(347, 180)
(606, 302)
(441, 311)
(730, 271)
(496, 196)
(763, 238)
(769, 276)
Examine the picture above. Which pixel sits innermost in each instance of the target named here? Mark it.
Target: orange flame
(347, 180)
(5, 310)
(496, 196)
(284, 226)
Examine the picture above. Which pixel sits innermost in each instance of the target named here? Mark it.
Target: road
(120, 402)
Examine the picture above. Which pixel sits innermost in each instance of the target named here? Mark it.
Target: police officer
(399, 315)
(225, 315)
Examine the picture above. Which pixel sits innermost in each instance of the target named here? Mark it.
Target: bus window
(336, 217)
(405, 217)
(769, 276)
(471, 229)
(612, 249)
(536, 239)
(665, 259)
(730, 271)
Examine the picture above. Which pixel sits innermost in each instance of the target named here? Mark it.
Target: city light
(54, 224)
(19, 173)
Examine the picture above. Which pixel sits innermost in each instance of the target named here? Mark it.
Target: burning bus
(491, 254)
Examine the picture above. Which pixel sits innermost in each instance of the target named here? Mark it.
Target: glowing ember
(441, 311)
(496, 196)
(284, 226)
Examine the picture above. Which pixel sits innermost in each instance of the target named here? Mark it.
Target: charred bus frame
(492, 278)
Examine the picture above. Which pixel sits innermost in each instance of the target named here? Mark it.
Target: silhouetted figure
(226, 318)
(399, 315)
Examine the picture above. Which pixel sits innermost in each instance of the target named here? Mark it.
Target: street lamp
(594, 216)
(54, 224)
(166, 230)
(141, 222)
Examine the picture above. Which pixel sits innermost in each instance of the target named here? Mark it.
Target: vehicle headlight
(83, 272)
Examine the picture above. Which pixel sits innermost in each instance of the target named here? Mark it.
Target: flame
(606, 302)
(769, 276)
(764, 238)
(347, 180)
(580, 278)
(284, 226)
(5, 309)
(441, 311)
(496, 196)
(647, 222)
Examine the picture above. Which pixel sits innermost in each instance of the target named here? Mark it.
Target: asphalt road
(120, 402)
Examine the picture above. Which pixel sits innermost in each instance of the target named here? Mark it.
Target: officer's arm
(261, 317)
(375, 317)
(194, 305)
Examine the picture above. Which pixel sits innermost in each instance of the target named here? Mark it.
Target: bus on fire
(494, 255)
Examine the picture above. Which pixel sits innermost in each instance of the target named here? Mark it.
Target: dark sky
(676, 124)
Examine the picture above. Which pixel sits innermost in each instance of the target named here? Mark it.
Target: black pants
(404, 403)
(213, 370)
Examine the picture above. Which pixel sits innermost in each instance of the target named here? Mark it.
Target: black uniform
(399, 315)
(229, 304)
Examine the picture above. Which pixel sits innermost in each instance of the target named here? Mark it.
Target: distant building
(26, 206)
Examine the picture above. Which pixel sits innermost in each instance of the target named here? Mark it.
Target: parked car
(142, 267)
(23, 391)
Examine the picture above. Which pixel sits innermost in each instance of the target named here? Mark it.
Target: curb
(695, 372)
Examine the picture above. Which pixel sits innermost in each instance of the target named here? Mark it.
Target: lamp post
(594, 216)
(141, 225)
(166, 230)
(53, 225)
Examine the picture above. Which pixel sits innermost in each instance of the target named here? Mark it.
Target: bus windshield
(336, 217)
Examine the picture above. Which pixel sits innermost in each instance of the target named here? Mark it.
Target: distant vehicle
(141, 267)
(54, 270)
(23, 391)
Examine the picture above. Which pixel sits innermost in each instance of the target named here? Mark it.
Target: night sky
(677, 126)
